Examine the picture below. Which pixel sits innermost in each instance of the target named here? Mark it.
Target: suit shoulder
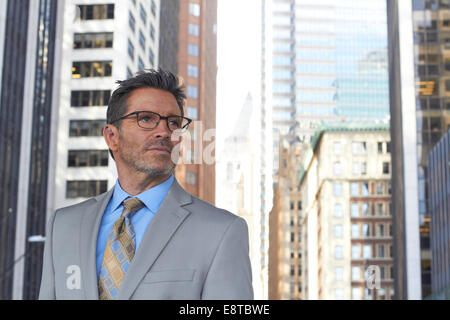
(75, 208)
(209, 211)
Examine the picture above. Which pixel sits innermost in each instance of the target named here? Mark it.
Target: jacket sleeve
(230, 275)
(47, 290)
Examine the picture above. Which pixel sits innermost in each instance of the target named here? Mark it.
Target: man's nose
(162, 129)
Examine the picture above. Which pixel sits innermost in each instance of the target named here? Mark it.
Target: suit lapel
(163, 225)
(89, 232)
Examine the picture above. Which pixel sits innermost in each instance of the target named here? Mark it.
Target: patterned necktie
(119, 251)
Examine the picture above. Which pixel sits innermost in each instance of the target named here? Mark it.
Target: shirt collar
(152, 197)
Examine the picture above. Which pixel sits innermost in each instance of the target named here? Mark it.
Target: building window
(89, 98)
(194, 9)
(93, 40)
(356, 294)
(363, 168)
(337, 189)
(338, 230)
(355, 147)
(339, 294)
(385, 167)
(131, 21)
(380, 209)
(153, 8)
(355, 251)
(192, 71)
(354, 188)
(381, 251)
(365, 189)
(355, 230)
(354, 210)
(88, 69)
(356, 273)
(381, 230)
(338, 210)
(86, 128)
(193, 50)
(88, 158)
(367, 294)
(130, 49)
(192, 92)
(380, 147)
(152, 32)
(365, 209)
(191, 178)
(366, 230)
(192, 113)
(140, 64)
(85, 188)
(129, 73)
(151, 57)
(143, 14)
(359, 147)
(388, 147)
(194, 29)
(355, 168)
(142, 40)
(381, 294)
(96, 11)
(367, 251)
(380, 188)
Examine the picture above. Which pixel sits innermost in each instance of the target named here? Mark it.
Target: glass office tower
(329, 63)
(431, 22)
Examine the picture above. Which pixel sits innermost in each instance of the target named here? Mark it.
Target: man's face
(144, 150)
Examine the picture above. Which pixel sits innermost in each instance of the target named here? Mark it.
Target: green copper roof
(330, 127)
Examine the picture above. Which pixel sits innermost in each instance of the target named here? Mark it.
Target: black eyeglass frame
(184, 128)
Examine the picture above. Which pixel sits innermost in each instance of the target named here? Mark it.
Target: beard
(134, 157)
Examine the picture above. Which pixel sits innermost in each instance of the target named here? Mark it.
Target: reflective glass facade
(431, 22)
(439, 204)
(329, 63)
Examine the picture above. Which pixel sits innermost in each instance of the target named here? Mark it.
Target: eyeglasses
(150, 120)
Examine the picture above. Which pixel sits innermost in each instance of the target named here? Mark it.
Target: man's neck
(136, 183)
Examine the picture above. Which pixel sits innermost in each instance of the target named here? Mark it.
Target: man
(146, 238)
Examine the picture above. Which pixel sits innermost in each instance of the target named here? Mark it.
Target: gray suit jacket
(191, 250)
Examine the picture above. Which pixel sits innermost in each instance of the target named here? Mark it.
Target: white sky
(238, 59)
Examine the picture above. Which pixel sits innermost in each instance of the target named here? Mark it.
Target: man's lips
(160, 149)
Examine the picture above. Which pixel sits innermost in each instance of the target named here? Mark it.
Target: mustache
(160, 143)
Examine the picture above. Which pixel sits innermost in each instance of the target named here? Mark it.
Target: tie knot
(132, 205)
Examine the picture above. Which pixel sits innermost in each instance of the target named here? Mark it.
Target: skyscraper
(28, 30)
(197, 66)
(439, 191)
(430, 27)
(103, 42)
(329, 63)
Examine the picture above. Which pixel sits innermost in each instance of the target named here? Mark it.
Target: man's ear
(111, 135)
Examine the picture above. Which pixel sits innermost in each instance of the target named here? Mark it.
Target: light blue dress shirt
(152, 199)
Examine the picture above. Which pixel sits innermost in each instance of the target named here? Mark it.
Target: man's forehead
(150, 98)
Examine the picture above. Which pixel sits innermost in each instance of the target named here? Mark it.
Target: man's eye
(174, 123)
